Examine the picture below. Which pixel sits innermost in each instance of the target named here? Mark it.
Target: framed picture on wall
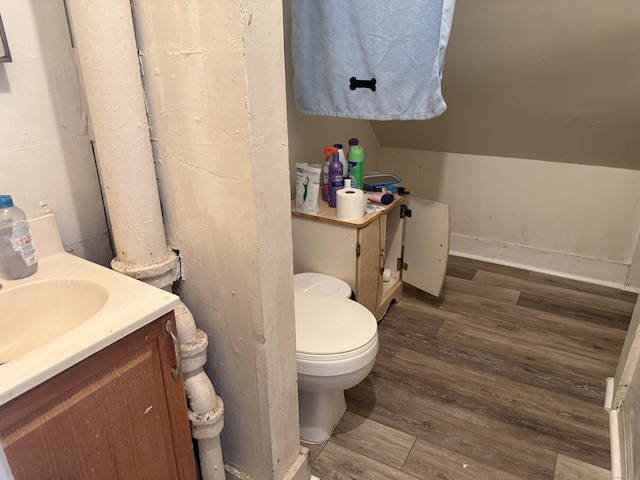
(5, 54)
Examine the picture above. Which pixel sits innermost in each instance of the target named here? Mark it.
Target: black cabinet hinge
(404, 211)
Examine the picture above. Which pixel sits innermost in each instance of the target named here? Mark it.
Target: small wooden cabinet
(409, 237)
(119, 414)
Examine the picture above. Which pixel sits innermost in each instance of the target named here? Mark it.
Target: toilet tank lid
(313, 282)
(329, 325)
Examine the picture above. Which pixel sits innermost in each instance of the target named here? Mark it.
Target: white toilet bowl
(336, 344)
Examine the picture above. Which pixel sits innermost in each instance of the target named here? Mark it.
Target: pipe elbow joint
(207, 425)
(194, 354)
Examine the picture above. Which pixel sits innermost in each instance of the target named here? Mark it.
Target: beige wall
(547, 80)
(45, 151)
(576, 220)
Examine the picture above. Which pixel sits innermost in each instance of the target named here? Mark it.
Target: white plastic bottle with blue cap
(18, 257)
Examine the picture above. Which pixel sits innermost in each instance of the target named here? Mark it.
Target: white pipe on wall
(108, 61)
(206, 410)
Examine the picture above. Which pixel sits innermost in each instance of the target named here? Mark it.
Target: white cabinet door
(426, 245)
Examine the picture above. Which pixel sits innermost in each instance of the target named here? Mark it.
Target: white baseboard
(589, 270)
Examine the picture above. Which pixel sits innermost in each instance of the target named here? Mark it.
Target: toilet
(336, 347)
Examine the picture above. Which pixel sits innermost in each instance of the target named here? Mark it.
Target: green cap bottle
(356, 165)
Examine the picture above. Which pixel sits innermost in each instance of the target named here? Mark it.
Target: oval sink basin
(36, 313)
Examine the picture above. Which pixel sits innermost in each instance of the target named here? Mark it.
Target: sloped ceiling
(545, 79)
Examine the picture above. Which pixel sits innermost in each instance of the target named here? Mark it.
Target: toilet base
(320, 412)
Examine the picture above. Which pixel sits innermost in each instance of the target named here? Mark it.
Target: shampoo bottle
(356, 165)
(18, 257)
(336, 177)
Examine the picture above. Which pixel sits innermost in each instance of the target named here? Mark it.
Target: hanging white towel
(368, 59)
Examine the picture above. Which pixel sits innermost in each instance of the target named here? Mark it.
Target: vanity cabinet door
(119, 414)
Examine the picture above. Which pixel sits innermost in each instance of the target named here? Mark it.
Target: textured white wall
(45, 151)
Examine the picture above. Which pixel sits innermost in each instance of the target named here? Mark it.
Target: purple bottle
(336, 178)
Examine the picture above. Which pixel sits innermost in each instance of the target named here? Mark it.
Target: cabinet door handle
(177, 364)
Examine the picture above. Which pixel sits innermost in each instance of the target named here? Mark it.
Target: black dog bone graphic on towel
(355, 83)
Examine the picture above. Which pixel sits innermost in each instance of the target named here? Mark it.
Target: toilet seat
(333, 334)
(312, 282)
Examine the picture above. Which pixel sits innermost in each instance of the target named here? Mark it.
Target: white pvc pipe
(614, 435)
(107, 56)
(206, 410)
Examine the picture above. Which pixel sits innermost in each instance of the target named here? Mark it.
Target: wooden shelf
(328, 214)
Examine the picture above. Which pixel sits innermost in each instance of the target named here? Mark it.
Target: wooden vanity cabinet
(119, 414)
(409, 237)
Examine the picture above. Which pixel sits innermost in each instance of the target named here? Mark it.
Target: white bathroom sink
(38, 312)
(67, 311)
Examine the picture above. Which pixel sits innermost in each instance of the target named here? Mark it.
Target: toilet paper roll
(350, 204)
(386, 275)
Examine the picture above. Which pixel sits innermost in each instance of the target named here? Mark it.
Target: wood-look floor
(502, 377)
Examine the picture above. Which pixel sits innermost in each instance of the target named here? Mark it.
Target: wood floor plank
(602, 337)
(568, 468)
(431, 461)
(412, 311)
(497, 293)
(314, 450)
(522, 370)
(386, 352)
(591, 288)
(385, 444)
(598, 340)
(339, 463)
(533, 345)
(460, 263)
(484, 439)
(511, 363)
(581, 424)
(563, 301)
